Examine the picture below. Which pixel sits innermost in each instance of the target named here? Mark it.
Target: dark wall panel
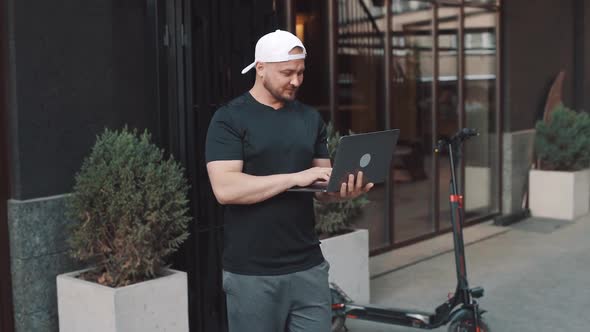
(79, 68)
(586, 56)
(537, 42)
(579, 54)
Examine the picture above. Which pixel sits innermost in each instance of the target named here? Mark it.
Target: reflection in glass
(411, 109)
(448, 116)
(480, 109)
(361, 95)
(481, 2)
(310, 27)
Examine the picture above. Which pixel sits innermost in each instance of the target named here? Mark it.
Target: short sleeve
(321, 143)
(224, 141)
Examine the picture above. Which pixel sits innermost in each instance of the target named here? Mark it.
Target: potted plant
(343, 246)
(129, 209)
(560, 186)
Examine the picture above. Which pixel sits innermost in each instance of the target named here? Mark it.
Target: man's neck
(264, 97)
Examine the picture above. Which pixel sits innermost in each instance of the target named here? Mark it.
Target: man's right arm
(232, 186)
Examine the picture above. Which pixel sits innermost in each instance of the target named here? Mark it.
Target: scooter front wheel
(338, 323)
(464, 323)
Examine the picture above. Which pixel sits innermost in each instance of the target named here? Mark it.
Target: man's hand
(311, 175)
(352, 188)
(348, 190)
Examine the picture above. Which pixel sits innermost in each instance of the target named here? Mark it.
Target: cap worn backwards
(275, 47)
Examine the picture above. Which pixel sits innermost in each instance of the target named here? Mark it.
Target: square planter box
(559, 195)
(348, 255)
(160, 304)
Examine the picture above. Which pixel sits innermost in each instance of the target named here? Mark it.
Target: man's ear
(259, 69)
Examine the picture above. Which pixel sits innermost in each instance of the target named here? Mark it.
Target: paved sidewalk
(536, 276)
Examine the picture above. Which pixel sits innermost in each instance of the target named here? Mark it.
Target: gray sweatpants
(295, 302)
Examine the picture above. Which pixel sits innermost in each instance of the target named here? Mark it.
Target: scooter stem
(456, 205)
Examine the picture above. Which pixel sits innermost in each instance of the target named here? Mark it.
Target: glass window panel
(411, 112)
(448, 102)
(361, 98)
(480, 112)
(482, 2)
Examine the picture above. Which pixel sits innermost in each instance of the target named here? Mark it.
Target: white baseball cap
(275, 47)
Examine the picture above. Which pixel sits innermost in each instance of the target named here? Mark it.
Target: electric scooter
(461, 311)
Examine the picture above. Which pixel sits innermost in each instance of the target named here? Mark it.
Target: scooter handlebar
(466, 133)
(460, 136)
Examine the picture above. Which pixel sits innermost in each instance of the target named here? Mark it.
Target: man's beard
(275, 93)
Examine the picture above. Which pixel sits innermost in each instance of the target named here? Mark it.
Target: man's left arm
(348, 190)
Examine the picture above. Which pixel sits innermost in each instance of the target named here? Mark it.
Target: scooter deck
(396, 316)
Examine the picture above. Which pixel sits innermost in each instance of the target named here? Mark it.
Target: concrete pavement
(536, 274)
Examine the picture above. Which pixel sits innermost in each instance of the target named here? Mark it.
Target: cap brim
(250, 66)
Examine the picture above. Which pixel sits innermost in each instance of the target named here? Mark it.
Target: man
(258, 146)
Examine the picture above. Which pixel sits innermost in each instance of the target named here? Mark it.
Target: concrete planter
(156, 305)
(559, 195)
(348, 255)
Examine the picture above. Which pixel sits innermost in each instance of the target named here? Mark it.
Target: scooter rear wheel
(464, 323)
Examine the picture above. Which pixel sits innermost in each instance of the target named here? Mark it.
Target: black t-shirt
(275, 236)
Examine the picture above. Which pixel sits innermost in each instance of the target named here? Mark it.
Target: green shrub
(337, 217)
(564, 143)
(130, 209)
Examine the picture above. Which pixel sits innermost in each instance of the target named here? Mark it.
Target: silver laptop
(370, 153)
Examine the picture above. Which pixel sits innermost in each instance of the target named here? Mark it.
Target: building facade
(68, 69)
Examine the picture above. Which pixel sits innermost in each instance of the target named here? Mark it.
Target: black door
(6, 318)
(202, 45)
